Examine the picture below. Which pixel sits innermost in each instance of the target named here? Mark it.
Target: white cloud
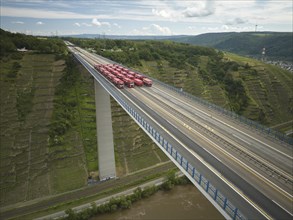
(39, 23)
(40, 13)
(153, 29)
(86, 24)
(163, 30)
(200, 9)
(82, 24)
(99, 24)
(236, 21)
(162, 13)
(17, 22)
(96, 22)
(117, 25)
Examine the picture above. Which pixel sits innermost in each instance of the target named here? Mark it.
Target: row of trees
(9, 42)
(181, 56)
(125, 202)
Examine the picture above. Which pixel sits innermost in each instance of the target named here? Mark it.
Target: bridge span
(241, 168)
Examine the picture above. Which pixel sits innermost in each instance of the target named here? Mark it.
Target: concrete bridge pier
(105, 143)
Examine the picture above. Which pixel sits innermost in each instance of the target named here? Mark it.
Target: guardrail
(265, 130)
(204, 183)
(182, 162)
(269, 131)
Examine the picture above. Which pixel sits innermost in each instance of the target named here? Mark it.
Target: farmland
(32, 166)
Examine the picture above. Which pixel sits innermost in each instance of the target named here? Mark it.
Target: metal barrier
(215, 194)
(204, 183)
(269, 131)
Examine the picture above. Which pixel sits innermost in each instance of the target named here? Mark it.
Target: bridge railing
(261, 128)
(268, 131)
(204, 183)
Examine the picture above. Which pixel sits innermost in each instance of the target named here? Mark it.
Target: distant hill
(257, 90)
(124, 37)
(278, 45)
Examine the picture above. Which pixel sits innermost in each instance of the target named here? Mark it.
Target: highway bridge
(243, 169)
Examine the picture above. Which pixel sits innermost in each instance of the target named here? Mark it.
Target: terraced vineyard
(26, 109)
(268, 88)
(31, 166)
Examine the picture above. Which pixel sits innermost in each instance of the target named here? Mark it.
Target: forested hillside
(278, 45)
(256, 90)
(10, 42)
(48, 142)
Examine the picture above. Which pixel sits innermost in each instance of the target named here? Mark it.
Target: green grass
(24, 131)
(116, 189)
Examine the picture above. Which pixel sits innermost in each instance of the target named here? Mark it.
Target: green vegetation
(9, 42)
(125, 202)
(249, 87)
(24, 98)
(278, 45)
(26, 107)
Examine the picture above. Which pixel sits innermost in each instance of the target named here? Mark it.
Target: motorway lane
(267, 204)
(283, 159)
(233, 197)
(214, 148)
(191, 115)
(282, 163)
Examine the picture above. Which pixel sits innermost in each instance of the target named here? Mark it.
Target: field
(268, 88)
(31, 167)
(25, 157)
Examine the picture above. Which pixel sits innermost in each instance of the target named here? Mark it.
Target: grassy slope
(24, 152)
(269, 90)
(30, 168)
(278, 45)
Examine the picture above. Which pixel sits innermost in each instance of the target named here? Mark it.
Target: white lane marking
(233, 187)
(269, 164)
(273, 185)
(241, 139)
(213, 155)
(282, 208)
(232, 127)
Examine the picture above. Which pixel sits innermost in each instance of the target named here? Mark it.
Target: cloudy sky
(144, 17)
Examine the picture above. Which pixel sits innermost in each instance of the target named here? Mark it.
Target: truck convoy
(121, 76)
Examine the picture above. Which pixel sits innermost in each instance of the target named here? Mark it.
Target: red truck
(130, 76)
(138, 76)
(138, 82)
(128, 82)
(147, 82)
(119, 83)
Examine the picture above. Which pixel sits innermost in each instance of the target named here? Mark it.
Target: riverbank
(124, 201)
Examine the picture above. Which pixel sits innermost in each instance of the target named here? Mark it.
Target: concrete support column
(106, 155)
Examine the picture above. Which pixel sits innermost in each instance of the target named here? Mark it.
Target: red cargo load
(147, 82)
(138, 76)
(131, 73)
(130, 76)
(138, 82)
(119, 83)
(120, 76)
(128, 82)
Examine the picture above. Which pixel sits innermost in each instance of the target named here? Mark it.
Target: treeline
(125, 202)
(131, 52)
(182, 56)
(278, 45)
(10, 42)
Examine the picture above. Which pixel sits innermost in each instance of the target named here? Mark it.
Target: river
(182, 202)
